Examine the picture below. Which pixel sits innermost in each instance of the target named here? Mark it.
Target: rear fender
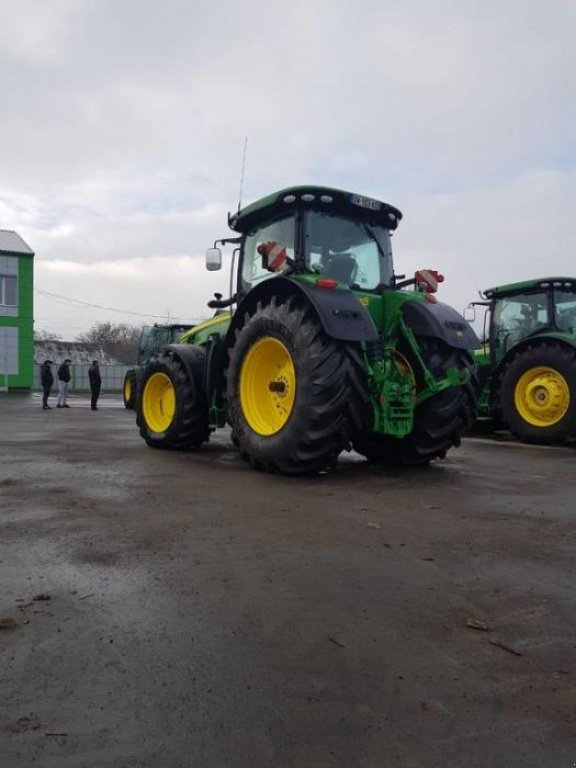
(441, 322)
(192, 359)
(340, 312)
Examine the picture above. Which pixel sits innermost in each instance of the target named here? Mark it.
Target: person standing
(46, 379)
(63, 380)
(95, 383)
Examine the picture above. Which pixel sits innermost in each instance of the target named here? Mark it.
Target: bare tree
(119, 341)
(46, 336)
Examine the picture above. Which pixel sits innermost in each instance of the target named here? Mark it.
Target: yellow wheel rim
(127, 390)
(267, 386)
(158, 402)
(542, 396)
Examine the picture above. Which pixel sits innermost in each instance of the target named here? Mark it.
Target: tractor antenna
(242, 172)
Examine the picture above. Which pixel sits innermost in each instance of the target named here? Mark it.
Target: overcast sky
(123, 124)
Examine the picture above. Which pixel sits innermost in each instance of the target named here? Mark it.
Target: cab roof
(568, 283)
(317, 198)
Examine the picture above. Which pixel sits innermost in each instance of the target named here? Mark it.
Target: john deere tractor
(527, 365)
(319, 348)
(153, 339)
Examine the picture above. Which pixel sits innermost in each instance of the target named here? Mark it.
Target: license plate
(365, 202)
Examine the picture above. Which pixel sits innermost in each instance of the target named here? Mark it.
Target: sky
(124, 125)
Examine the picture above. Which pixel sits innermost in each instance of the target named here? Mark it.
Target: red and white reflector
(273, 256)
(427, 280)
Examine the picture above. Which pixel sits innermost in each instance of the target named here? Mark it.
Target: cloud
(124, 123)
(494, 235)
(35, 32)
(76, 296)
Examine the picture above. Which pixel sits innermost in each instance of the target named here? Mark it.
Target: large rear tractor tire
(172, 411)
(129, 390)
(539, 394)
(294, 394)
(439, 422)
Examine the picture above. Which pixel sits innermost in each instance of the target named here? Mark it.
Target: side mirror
(213, 259)
(470, 313)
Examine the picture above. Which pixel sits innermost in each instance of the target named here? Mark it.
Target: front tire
(539, 394)
(129, 390)
(172, 410)
(293, 392)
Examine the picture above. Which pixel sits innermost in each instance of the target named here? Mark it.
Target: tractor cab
(318, 243)
(517, 316)
(314, 231)
(156, 337)
(524, 310)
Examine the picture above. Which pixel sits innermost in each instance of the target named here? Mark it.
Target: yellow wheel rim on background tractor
(127, 390)
(542, 396)
(267, 386)
(159, 402)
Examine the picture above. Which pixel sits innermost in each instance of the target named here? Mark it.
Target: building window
(8, 293)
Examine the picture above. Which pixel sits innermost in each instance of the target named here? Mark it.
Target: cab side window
(517, 317)
(565, 304)
(280, 234)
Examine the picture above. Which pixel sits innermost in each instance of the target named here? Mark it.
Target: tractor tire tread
(189, 428)
(328, 387)
(439, 422)
(552, 354)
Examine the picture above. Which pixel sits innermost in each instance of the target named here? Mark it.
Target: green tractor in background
(153, 339)
(319, 348)
(527, 365)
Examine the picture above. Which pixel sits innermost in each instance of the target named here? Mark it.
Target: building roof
(11, 242)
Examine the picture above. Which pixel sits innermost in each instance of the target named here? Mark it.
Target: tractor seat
(342, 267)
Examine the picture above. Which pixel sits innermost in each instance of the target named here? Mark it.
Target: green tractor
(319, 348)
(153, 339)
(527, 365)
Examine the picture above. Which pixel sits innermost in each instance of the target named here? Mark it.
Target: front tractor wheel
(172, 411)
(293, 392)
(539, 394)
(129, 389)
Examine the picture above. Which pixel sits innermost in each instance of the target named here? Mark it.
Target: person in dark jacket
(63, 379)
(95, 383)
(46, 379)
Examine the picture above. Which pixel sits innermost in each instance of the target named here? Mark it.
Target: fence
(112, 377)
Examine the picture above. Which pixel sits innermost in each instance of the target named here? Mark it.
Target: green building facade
(16, 313)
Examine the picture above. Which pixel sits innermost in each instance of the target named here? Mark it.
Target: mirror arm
(219, 303)
(226, 240)
(404, 283)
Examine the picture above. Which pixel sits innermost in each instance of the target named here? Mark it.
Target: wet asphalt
(170, 610)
